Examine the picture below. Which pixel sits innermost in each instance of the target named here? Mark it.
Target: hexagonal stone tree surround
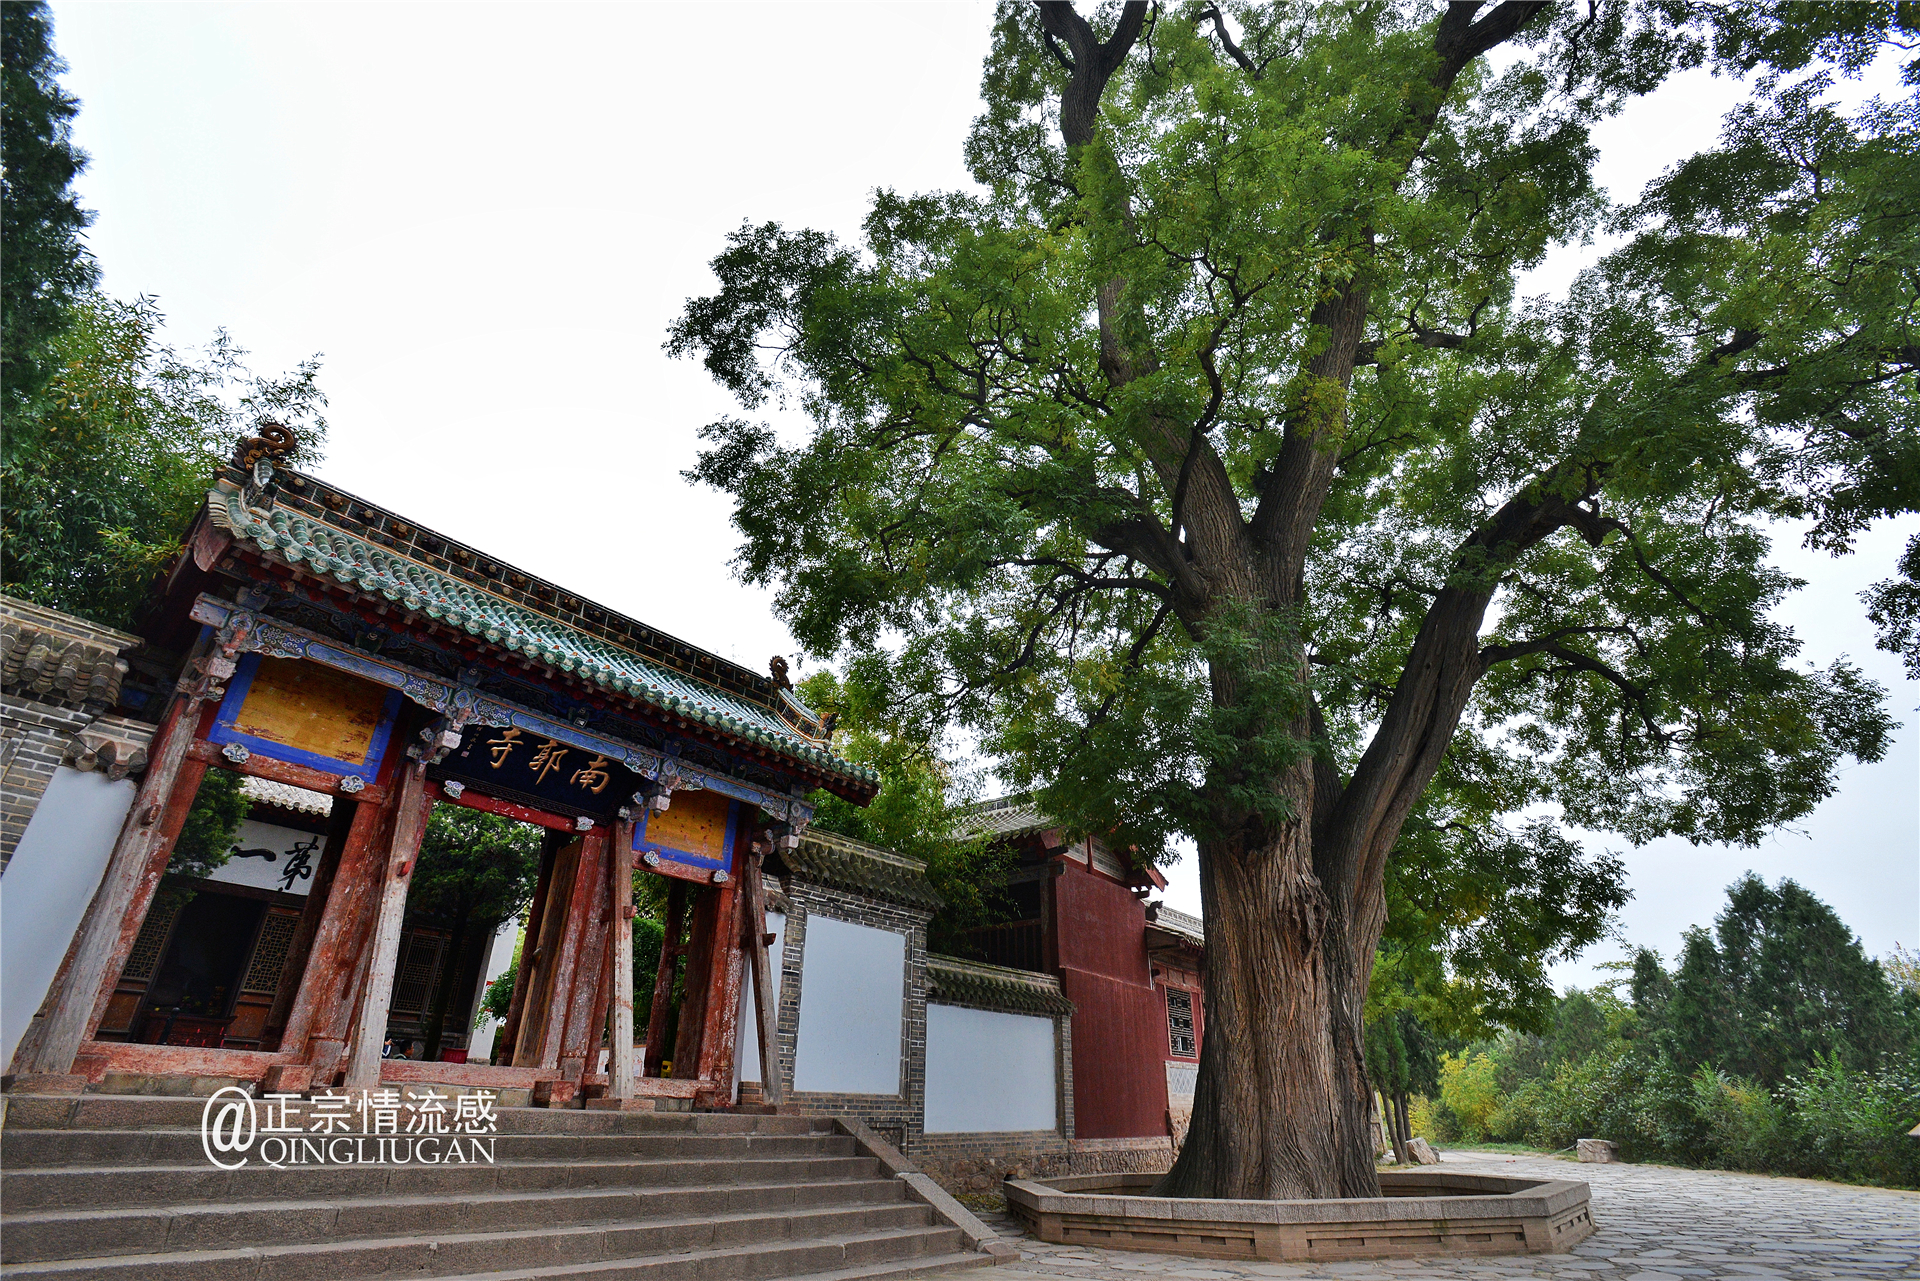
(1425, 1212)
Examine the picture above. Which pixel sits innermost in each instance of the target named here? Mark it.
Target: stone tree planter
(1424, 1212)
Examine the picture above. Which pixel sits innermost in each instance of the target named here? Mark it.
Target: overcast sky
(485, 218)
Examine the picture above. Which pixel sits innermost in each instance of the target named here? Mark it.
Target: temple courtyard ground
(1654, 1223)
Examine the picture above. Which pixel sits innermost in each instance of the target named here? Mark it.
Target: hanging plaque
(697, 830)
(293, 710)
(528, 768)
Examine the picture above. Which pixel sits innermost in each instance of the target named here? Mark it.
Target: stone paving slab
(1655, 1223)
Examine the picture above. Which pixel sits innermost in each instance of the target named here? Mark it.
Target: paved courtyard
(1655, 1223)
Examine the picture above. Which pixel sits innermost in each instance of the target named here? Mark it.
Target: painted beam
(247, 632)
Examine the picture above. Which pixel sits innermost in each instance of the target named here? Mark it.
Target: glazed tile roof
(264, 791)
(57, 658)
(995, 987)
(293, 531)
(1006, 816)
(827, 858)
(1190, 928)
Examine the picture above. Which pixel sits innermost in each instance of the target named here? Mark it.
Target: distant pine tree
(1779, 982)
(44, 263)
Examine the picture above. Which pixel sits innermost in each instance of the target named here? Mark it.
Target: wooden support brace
(766, 997)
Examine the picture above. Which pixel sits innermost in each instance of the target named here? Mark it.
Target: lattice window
(270, 953)
(145, 956)
(419, 969)
(1180, 1023)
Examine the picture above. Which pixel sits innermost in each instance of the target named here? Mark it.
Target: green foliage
(497, 999)
(104, 469)
(919, 810)
(206, 840)
(475, 868)
(44, 264)
(1779, 984)
(1757, 1052)
(1059, 427)
(1471, 1091)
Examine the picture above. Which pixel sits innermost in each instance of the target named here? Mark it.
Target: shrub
(1471, 1091)
(1853, 1125)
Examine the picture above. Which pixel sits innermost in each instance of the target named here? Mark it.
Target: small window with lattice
(1180, 1023)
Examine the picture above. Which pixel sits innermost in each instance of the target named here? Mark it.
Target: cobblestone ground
(1654, 1223)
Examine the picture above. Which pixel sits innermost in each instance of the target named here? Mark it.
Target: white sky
(486, 217)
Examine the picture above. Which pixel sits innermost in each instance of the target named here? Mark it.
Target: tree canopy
(106, 463)
(45, 264)
(1206, 461)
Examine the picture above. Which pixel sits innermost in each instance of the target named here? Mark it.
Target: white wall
(497, 962)
(746, 1059)
(850, 1002)
(46, 889)
(988, 1071)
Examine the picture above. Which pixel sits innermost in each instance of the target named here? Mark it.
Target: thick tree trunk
(1280, 1109)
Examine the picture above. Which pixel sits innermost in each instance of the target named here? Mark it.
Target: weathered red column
(530, 944)
(91, 970)
(582, 911)
(323, 1007)
(720, 1006)
(585, 1010)
(410, 824)
(620, 884)
(293, 972)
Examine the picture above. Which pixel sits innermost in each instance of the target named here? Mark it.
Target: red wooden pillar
(583, 900)
(410, 824)
(620, 959)
(586, 1008)
(323, 1007)
(530, 945)
(91, 970)
(293, 972)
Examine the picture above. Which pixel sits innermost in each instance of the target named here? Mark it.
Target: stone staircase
(117, 1188)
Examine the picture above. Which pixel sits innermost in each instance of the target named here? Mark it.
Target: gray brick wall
(897, 1118)
(58, 675)
(33, 741)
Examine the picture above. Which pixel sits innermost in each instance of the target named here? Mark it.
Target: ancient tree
(1206, 461)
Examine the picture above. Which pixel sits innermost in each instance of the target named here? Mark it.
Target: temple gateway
(356, 670)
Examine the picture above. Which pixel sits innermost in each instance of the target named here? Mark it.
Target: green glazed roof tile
(354, 562)
(827, 858)
(959, 982)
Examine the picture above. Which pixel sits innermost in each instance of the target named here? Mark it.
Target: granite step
(127, 1186)
(149, 1113)
(684, 1251)
(27, 1149)
(71, 1234)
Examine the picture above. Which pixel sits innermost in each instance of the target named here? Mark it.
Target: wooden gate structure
(327, 643)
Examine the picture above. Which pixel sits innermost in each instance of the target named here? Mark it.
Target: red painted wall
(1119, 1031)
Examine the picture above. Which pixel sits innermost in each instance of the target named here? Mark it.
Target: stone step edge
(34, 1218)
(55, 1267)
(920, 1266)
(350, 1245)
(516, 1163)
(645, 1122)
